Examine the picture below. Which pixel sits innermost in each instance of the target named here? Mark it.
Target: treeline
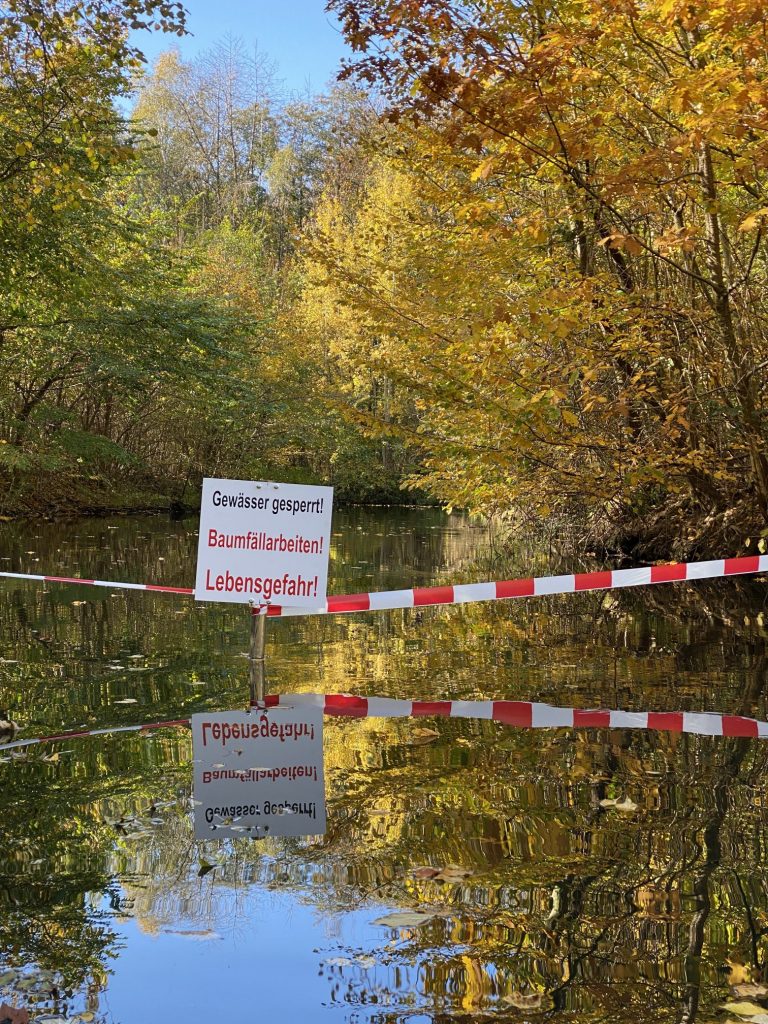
(149, 222)
(515, 261)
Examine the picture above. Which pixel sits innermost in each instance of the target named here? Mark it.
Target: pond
(469, 870)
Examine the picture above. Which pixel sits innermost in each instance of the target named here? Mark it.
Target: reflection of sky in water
(266, 952)
(262, 963)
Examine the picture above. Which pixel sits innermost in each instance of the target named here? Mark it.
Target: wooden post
(256, 657)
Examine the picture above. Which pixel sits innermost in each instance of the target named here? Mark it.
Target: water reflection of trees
(568, 905)
(60, 866)
(598, 912)
(587, 910)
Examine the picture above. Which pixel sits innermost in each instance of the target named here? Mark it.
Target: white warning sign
(265, 543)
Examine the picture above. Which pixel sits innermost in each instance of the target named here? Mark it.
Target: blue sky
(302, 39)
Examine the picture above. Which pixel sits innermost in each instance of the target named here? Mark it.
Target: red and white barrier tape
(518, 713)
(98, 583)
(531, 587)
(465, 593)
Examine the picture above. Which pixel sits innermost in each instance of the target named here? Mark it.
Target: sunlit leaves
(596, 169)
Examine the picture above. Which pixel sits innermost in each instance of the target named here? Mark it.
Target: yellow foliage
(553, 264)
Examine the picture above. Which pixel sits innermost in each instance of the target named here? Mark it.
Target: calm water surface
(548, 905)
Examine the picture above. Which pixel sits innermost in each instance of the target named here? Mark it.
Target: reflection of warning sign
(259, 773)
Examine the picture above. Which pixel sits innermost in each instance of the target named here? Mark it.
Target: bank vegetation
(514, 262)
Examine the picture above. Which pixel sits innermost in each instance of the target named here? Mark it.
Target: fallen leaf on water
(405, 919)
(626, 805)
(452, 873)
(15, 1015)
(425, 873)
(750, 989)
(744, 1009)
(419, 736)
(7, 977)
(738, 973)
(524, 1000)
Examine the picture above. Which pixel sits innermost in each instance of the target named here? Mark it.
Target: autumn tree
(215, 126)
(62, 65)
(583, 318)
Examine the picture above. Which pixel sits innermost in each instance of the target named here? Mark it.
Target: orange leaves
(484, 169)
(756, 219)
(607, 133)
(680, 12)
(677, 239)
(629, 243)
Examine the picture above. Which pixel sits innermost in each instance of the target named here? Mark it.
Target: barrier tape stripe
(77, 734)
(98, 583)
(517, 713)
(465, 593)
(528, 714)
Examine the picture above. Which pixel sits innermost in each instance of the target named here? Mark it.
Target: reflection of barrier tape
(466, 593)
(522, 714)
(525, 714)
(81, 733)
